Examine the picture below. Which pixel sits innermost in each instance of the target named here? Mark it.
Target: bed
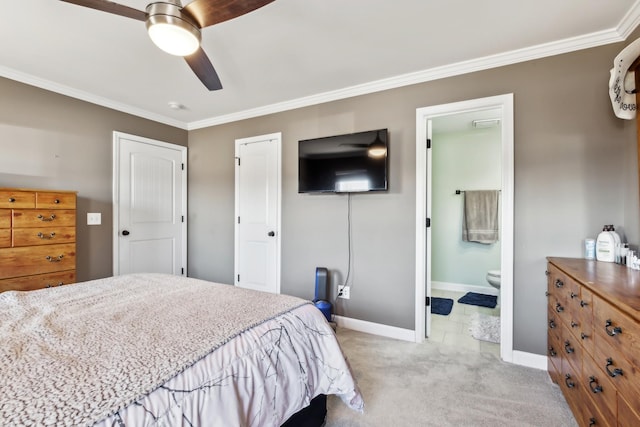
(161, 350)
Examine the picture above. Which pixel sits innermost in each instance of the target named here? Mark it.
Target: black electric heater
(321, 297)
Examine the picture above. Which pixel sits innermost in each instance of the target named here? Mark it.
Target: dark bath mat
(441, 306)
(482, 300)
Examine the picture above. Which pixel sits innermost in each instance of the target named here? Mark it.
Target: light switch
(94, 218)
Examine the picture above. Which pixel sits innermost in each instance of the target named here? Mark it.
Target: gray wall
(575, 170)
(51, 141)
(469, 160)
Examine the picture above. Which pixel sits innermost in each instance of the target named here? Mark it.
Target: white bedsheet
(260, 378)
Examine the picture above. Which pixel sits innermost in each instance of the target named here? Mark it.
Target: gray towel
(480, 216)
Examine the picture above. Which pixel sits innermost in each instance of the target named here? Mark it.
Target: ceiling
(291, 53)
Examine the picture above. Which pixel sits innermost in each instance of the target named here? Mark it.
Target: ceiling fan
(176, 29)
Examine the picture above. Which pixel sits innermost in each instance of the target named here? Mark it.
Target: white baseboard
(529, 360)
(521, 358)
(462, 287)
(375, 328)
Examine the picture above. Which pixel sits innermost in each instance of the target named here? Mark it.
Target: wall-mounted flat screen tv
(344, 163)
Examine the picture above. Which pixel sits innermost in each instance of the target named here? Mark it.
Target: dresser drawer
(39, 281)
(627, 417)
(53, 200)
(585, 314)
(554, 358)
(5, 238)
(571, 385)
(17, 199)
(36, 218)
(26, 261)
(43, 236)
(623, 375)
(599, 388)
(571, 291)
(556, 287)
(588, 415)
(5, 218)
(617, 329)
(571, 349)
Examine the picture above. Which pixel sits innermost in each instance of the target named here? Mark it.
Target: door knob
(272, 233)
(125, 232)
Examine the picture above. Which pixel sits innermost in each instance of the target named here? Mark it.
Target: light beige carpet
(408, 384)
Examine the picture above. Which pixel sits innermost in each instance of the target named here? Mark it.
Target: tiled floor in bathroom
(454, 328)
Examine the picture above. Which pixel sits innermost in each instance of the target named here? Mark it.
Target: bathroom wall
(464, 160)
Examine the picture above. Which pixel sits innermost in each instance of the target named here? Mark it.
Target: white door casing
(149, 206)
(257, 206)
(428, 196)
(423, 116)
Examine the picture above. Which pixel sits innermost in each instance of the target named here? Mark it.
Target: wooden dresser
(37, 238)
(594, 339)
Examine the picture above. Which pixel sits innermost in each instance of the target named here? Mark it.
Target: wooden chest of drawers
(37, 238)
(594, 339)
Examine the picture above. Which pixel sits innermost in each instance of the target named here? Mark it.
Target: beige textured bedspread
(55, 343)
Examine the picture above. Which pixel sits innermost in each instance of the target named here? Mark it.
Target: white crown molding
(464, 67)
(12, 74)
(628, 23)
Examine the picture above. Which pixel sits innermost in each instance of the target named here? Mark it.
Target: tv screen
(343, 163)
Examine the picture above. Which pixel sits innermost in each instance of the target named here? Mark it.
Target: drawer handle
(592, 422)
(583, 303)
(54, 259)
(615, 372)
(583, 336)
(612, 332)
(44, 236)
(546, 293)
(11, 199)
(572, 295)
(56, 201)
(559, 283)
(569, 384)
(552, 352)
(559, 308)
(546, 272)
(568, 348)
(552, 324)
(597, 388)
(49, 285)
(51, 218)
(574, 324)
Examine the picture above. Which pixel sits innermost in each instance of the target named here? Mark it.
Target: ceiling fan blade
(111, 7)
(210, 12)
(202, 67)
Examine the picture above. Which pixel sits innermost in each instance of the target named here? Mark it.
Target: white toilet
(493, 277)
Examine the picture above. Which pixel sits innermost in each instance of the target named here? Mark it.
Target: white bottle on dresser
(605, 246)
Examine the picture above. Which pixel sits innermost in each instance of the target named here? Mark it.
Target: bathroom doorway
(449, 132)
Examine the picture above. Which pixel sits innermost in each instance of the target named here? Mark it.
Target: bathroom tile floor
(454, 328)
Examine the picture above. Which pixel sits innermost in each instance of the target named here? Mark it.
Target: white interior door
(149, 206)
(257, 228)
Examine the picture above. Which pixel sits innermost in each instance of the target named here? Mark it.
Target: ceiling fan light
(171, 31)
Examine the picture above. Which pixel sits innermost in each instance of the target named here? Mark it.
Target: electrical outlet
(345, 292)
